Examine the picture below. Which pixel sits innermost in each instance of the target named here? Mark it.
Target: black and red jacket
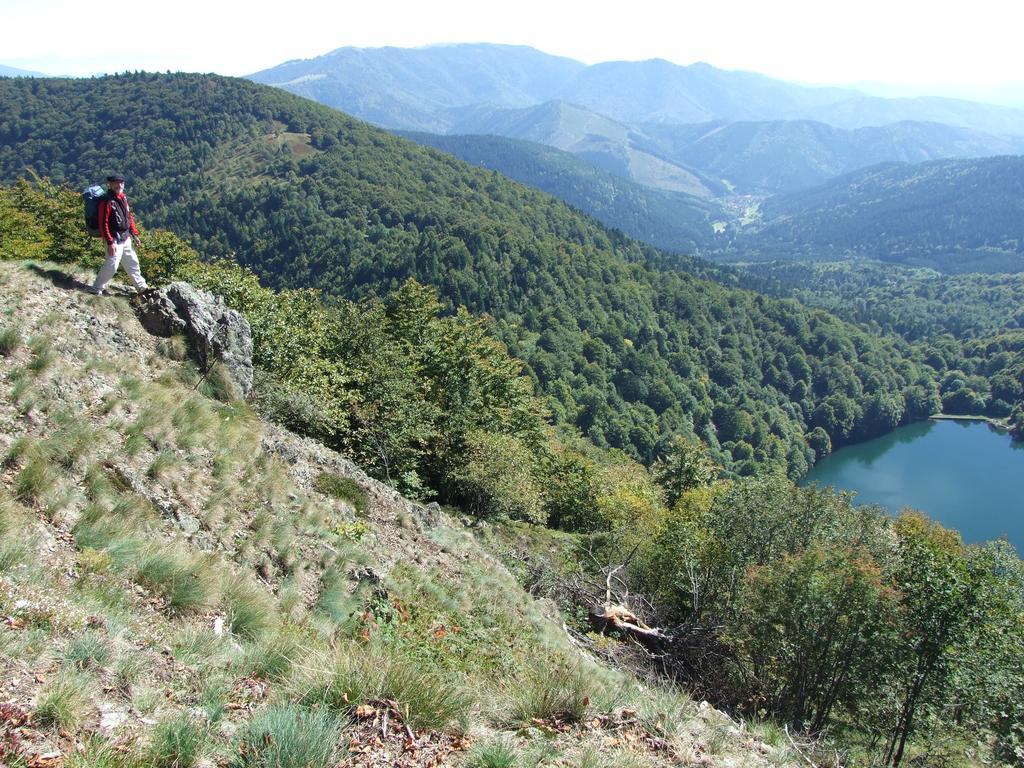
(116, 219)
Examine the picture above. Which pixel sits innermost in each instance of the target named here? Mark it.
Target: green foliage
(687, 466)
(811, 633)
(286, 736)
(499, 479)
(343, 488)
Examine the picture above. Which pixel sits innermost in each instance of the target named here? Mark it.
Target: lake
(965, 474)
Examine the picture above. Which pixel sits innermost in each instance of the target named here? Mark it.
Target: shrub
(344, 488)
(287, 736)
(498, 478)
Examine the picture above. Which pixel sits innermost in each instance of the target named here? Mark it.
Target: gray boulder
(214, 332)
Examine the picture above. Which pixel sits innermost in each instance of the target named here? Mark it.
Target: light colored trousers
(124, 254)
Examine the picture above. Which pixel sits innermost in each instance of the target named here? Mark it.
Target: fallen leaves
(381, 737)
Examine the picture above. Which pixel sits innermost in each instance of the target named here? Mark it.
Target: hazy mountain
(605, 143)
(669, 220)
(953, 215)
(785, 156)
(412, 89)
(6, 71)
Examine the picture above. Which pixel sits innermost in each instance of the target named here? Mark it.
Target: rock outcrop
(214, 332)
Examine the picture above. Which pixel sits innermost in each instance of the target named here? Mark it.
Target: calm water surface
(965, 474)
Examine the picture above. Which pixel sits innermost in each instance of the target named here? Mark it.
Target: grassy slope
(175, 587)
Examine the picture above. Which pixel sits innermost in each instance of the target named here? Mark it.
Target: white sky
(935, 45)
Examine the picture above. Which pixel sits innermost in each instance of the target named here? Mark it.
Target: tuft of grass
(42, 354)
(173, 348)
(179, 577)
(359, 675)
(127, 671)
(37, 478)
(557, 694)
(343, 488)
(271, 656)
(287, 736)
(10, 340)
(97, 752)
(89, 650)
(499, 753)
(250, 610)
(16, 537)
(340, 604)
(72, 442)
(64, 701)
(163, 463)
(177, 743)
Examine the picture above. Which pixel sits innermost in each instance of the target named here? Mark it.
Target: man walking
(117, 228)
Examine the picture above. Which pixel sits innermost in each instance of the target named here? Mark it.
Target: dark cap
(115, 177)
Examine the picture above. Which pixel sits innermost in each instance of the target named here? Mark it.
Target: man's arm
(104, 217)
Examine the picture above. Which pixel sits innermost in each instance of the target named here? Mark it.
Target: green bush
(343, 488)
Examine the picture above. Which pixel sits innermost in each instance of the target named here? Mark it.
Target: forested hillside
(670, 220)
(952, 215)
(626, 346)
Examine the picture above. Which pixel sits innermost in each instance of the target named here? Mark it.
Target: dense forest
(624, 342)
(970, 328)
(673, 221)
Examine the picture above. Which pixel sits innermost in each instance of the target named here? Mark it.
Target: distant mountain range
(415, 89)
(697, 130)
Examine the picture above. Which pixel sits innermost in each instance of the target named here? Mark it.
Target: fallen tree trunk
(619, 618)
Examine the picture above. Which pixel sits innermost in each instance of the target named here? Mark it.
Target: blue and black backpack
(91, 198)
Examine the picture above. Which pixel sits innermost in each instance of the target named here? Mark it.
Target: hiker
(117, 228)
